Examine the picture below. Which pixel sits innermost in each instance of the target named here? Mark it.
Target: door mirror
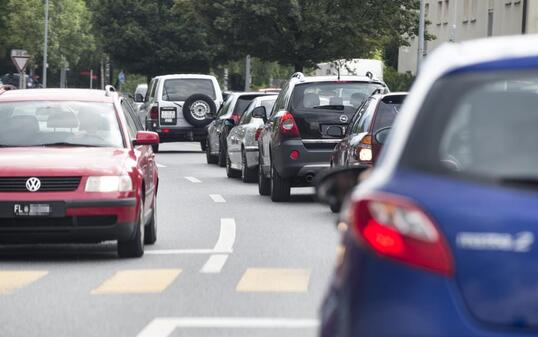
(139, 98)
(146, 138)
(260, 112)
(333, 186)
(335, 131)
(382, 135)
(229, 122)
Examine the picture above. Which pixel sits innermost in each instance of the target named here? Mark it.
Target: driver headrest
(311, 100)
(62, 119)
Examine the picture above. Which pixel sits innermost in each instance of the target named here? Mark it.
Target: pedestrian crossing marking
(10, 281)
(138, 281)
(274, 280)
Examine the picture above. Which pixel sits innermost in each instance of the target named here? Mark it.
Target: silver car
(242, 154)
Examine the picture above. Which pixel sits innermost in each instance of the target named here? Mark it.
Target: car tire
(211, 159)
(264, 184)
(150, 230)
(280, 187)
(222, 153)
(203, 145)
(230, 172)
(248, 175)
(155, 148)
(196, 109)
(335, 208)
(134, 247)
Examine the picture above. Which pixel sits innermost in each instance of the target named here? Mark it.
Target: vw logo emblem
(33, 184)
(343, 118)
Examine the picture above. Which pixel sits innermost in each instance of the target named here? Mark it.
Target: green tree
(69, 29)
(152, 37)
(302, 33)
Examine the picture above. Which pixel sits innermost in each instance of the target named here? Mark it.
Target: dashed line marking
(193, 180)
(164, 327)
(274, 280)
(180, 251)
(160, 165)
(138, 281)
(10, 281)
(219, 199)
(214, 264)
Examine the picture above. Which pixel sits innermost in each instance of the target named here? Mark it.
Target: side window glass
(281, 100)
(224, 109)
(246, 118)
(152, 90)
(131, 125)
(362, 124)
(134, 116)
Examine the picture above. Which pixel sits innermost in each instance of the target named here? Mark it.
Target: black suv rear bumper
(174, 134)
(302, 170)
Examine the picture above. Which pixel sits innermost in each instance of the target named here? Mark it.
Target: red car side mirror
(146, 138)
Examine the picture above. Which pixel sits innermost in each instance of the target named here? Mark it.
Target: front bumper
(71, 221)
(175, 134)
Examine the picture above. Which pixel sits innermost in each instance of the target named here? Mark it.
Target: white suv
(178, 107)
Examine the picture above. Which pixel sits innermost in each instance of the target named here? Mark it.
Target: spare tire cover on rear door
(197, 107)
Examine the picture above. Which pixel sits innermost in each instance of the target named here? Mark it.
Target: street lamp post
(46, 43)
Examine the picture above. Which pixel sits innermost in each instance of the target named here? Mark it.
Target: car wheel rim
(199, 110)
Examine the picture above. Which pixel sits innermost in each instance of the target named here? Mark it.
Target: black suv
(309, 118)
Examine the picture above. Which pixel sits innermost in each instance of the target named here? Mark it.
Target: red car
(76, 167)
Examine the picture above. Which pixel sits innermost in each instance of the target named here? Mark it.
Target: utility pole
(421, 30)
(46, 44)
(247, 74)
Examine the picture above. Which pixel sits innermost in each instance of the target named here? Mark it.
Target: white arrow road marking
(214, 264)
(164, 327)
(219, 199)
(160, 165)
(193, 180)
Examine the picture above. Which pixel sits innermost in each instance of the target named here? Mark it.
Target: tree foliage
(152, 37)
(70, 33)
(305, 32)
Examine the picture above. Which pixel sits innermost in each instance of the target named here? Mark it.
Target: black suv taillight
(287, 126)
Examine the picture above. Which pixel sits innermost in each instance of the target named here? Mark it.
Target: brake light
(363, 151)
(287, 126)
(258, 133)
(154, 112)
(236, 119)
(294, 155)
(398, 229)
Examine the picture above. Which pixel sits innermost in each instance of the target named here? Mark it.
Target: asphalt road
(227, 263)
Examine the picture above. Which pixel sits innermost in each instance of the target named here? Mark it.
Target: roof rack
(109, 89)
(298, 75)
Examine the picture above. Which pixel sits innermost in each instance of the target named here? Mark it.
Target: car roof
(314, 79)
(444, 60)
(86, 95)
(185, 76)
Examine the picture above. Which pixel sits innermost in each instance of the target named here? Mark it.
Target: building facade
(460, 20)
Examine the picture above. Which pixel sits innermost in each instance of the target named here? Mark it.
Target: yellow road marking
(13, 280)
(274, 280)
(138, 281)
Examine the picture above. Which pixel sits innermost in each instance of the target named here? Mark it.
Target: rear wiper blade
(330, 107)
(526, 181)
(67, 144)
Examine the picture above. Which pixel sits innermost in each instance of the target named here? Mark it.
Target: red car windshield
(49, 123)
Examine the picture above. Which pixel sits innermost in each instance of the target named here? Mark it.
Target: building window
(446, 15)
(466, 10)
(439, 12)
(474, 5)
(490, 22)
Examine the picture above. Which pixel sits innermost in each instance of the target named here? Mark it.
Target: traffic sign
(121, 77)
(20, 59)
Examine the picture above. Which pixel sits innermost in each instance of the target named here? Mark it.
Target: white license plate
(168, 114)
(31, 209)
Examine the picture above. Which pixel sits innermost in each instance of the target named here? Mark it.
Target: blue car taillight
(398, 229)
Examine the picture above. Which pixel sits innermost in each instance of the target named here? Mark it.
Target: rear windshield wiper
(67, 144)
(519, 181)
(330, 107)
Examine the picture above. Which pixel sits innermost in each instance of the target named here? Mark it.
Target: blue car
(440, 239)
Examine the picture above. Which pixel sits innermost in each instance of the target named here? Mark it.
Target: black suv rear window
(485, 128)
(336, 95)
(181, 89)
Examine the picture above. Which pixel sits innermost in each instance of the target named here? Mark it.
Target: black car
(369, 128)
(309, 118)
(227, 117)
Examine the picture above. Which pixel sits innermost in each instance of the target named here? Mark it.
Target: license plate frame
(35, 209)
(168, 116)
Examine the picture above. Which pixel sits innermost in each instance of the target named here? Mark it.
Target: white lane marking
(160, 165)
(164, 327)
(214, 264)
(226, 238)
(219, 199)
(180, 251)
(193, 180)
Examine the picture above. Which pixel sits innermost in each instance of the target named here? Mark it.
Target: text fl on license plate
(31, 209)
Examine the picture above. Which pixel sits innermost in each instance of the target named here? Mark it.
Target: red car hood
(62, 161)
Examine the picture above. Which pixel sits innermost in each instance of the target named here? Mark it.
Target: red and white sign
(20, 59)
